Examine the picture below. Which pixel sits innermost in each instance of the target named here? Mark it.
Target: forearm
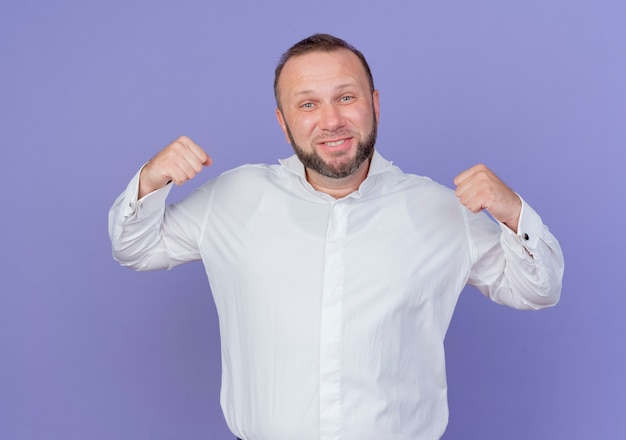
(135, 229)
(526, 268)
(534, 276)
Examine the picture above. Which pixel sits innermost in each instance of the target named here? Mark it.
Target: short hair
(318, 43)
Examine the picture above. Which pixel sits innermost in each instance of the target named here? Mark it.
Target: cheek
(302, 127)
(364, 118)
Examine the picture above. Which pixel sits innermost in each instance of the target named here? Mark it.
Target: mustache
(333, 135)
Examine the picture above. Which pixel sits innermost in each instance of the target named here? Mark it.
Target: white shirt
(332, 312)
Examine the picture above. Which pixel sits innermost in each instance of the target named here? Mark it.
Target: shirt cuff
(149, 203)
(528, 228)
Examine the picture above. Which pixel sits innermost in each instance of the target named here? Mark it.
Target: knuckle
(177, 146)
(481, 167)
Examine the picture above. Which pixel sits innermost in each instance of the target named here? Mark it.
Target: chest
(390, 240)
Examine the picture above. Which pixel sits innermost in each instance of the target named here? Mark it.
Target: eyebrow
(338, 88)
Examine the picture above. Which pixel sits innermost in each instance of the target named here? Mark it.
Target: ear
(283, 124)
(376, 103)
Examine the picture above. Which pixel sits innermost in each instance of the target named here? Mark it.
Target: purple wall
(89, 92)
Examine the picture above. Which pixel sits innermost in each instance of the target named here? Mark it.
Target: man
(335, 275)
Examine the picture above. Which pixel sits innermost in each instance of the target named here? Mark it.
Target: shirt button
(526, 237)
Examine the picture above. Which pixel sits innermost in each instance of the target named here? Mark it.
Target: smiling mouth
(334, 143)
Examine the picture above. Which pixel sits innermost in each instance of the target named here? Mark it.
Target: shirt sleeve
(147, 235)
(523, 270)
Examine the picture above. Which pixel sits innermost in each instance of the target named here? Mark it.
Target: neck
(338, 188)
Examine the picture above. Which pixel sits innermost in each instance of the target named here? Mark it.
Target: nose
(331, 118)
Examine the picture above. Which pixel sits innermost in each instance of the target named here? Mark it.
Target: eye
(307, 105)
(346, 98)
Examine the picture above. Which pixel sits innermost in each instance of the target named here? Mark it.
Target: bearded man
(335, 275)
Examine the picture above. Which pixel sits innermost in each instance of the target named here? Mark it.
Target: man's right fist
(179, 162)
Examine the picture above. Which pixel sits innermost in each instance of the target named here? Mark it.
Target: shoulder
(246, 184)
(253, 172)
(389, 178)
(416, 185)
(246, 176)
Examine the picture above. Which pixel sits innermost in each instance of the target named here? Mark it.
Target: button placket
(331, 325)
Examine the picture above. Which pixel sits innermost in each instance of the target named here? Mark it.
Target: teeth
(334, 144)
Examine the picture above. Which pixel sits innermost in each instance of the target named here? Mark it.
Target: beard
(313, 161)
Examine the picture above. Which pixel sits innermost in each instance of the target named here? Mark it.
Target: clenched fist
(179, 162)
(479, 188)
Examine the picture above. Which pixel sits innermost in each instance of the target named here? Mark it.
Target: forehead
(321, 70)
